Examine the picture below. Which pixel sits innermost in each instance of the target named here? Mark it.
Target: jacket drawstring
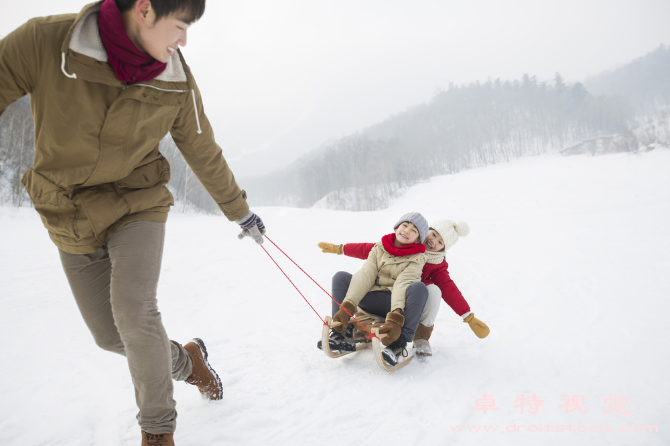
(195, 110)
(195, 105)
(62, 67)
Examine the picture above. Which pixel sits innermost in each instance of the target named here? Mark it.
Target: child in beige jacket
(388, 285)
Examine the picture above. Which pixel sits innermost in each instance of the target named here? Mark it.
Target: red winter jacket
(432, 274)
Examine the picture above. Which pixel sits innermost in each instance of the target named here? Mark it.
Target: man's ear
(142, 9)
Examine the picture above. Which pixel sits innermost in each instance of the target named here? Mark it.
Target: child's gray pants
(115, 290)
(378, 303)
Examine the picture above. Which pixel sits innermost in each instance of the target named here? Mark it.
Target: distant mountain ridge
(478, 124)
(643, 82)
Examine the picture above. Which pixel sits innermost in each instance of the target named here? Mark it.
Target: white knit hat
(450, 231)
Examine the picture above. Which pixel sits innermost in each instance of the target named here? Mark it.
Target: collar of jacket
(83, 39)
(388, 241)
(84, 56)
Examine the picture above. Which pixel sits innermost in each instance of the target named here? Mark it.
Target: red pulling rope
(370, 336)
(310, 305)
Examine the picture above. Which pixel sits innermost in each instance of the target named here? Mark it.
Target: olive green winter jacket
(97, 164)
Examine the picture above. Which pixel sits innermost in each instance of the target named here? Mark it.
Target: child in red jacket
(442, 235)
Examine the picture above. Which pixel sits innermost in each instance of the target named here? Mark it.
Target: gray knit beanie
(417, 220)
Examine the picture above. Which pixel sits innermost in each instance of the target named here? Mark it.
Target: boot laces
(399, 349)
(346, 336)
(335, 336)
(153, 439)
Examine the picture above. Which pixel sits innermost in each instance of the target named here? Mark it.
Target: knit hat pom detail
(462, 229)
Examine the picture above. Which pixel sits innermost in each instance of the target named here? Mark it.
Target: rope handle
(370, 334)
(324, 322)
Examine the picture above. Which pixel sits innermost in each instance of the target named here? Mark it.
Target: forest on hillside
(478, 124)
(461, 127)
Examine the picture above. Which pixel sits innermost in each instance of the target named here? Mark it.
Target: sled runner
(372, 324)
(377, 347)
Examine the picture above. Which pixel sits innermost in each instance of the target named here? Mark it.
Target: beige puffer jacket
(97, 164)
(386, 272)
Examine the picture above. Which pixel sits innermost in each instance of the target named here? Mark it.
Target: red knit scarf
(389, 245)
(129, 63)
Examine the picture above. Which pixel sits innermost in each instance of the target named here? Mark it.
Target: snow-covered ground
(567, 262)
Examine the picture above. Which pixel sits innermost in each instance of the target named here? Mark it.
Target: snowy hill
(567, 262)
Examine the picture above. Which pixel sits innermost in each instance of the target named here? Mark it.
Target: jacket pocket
(103, 207)
(58, 213)
(147, 176)
(145, 188)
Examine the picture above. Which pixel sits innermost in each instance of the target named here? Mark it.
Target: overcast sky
(280, 77)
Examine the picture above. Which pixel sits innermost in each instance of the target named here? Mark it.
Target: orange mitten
(480, 328)
(330, 248)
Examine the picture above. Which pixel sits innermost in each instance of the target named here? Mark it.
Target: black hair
(444, 248)
(194, 9)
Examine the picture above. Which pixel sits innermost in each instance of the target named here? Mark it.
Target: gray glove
(252, 226)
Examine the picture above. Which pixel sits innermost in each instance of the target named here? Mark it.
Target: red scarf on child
(389, 245)
(128, 62)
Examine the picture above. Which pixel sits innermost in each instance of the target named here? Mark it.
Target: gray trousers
(115, 290)
(378, 303)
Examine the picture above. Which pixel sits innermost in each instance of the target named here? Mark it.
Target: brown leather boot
(423, 332)
(157, 439)
(203, 375)
(421, 344)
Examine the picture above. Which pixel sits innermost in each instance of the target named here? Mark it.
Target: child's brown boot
(157, 439)
(203, 375)
(421, 344)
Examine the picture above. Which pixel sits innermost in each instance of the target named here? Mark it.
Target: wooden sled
(371, 324)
